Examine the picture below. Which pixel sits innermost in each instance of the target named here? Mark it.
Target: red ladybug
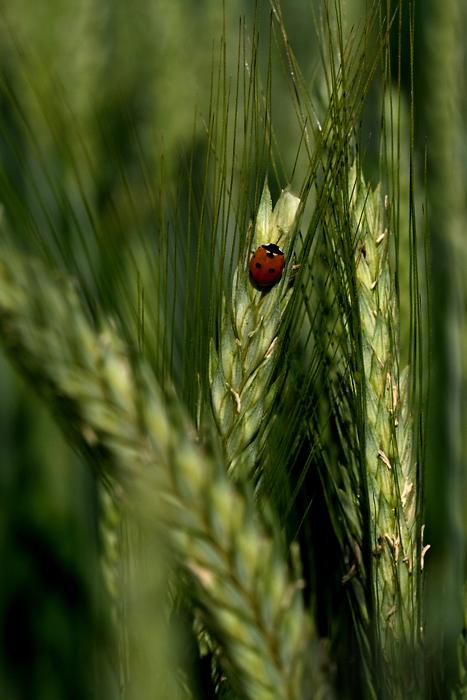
(267, 264)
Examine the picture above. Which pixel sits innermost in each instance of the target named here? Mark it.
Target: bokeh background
(133, 80)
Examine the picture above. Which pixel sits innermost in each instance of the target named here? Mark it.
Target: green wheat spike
(114, 410)
(387, 486)
(241, 367)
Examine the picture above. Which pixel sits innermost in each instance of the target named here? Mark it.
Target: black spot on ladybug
(269, 255)
(258, 265)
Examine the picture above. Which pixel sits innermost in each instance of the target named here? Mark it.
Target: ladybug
(267, 264)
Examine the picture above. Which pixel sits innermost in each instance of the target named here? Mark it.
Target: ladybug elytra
(267, 264)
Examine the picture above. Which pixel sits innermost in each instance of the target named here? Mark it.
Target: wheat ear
(379, 496)
(114, 410)
(240, 369)
(391, 471)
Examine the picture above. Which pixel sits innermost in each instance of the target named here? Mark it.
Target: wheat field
(213, 487)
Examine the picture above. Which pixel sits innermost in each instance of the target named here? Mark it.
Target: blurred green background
(128, 77)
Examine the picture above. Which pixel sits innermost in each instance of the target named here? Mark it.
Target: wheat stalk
(113, 409)
(241, 368)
